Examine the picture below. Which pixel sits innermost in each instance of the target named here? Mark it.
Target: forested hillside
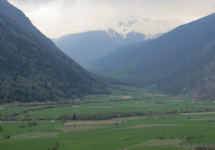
(173, 61)
(33, 70)
(19, 17)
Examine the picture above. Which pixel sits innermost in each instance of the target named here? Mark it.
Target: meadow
(158, 132)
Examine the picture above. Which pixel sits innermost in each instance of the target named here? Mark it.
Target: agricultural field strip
(148, 126)
(128, 118)
(136, 105)
(87, 123)
(170, 142)
(98, 107)
(198, 113)
(72, 129)
(194, 145)
(202, 119)
(34, 135)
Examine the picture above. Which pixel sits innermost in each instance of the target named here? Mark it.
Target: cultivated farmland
(129, 118)
(111, 123)
(87, 123)
(149, 126)
(203, 113)
(78, 128)
(172, 142)
(202, 119)
(199, 146)
(33, 135)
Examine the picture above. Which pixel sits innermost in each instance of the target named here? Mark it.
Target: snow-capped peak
(146, 26)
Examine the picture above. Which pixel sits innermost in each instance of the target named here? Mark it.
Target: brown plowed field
(87, 123)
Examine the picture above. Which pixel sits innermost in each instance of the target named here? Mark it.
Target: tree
(63, 121)
(34, 123)
(74, 117)
(1, 128)
(30, 124)
(161, 137)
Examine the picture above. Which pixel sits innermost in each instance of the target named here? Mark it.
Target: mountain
(88, 46)
(102, 39)
(180, 61)
(19, 17)
(151, 29)
(31, 69)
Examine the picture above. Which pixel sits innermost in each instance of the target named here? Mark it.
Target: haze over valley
(102, 39)
(110, 75)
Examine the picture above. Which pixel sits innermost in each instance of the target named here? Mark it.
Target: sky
(56, 18)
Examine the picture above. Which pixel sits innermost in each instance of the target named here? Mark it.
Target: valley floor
(143, 132)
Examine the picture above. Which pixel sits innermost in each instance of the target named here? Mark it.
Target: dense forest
(18, 16)
(33, 70)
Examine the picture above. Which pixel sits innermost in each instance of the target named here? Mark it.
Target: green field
(117, 74)
(126, 135)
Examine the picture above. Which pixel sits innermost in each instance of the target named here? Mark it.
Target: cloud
(59, 17)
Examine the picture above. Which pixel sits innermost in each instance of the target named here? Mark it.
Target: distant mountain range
(102, 39)
(181, 61)
(151, 29)
(32, 68)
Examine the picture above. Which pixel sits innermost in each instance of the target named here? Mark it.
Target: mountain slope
(151, 29)
(173, 59)
(102, 39)
(19, 17)
(88, 46)
(33, 70)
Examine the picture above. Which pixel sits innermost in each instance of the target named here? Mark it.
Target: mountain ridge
(33, 70)
(170, 60)
(18, 16)
(150, 28)
(101, 41)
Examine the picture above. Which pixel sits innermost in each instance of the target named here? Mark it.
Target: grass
(149, 126)
(106, 138)
(72, 129)
(132, 105)
(203, 113)
(11, 109)
(33, 135)
(170, 142)
(97, 139)
(117, 74)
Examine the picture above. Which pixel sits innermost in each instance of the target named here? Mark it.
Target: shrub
(22, 126)
(32, 124)
(1, 128)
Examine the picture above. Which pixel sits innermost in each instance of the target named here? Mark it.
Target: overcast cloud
(59, 17)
